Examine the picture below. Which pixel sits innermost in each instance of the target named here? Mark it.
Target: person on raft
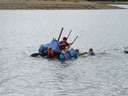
(64, 44)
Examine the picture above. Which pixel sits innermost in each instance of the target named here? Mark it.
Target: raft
(54, 44)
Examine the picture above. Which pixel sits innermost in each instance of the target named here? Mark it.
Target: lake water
(22, 32)
(121, 6)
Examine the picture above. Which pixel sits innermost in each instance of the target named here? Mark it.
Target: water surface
(22, 32)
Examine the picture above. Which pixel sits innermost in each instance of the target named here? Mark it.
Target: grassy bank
(37, 4)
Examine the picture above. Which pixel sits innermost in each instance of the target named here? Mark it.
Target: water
(22, 32)
(121, 6)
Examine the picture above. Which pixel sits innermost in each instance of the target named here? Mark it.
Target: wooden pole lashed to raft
(60, 33)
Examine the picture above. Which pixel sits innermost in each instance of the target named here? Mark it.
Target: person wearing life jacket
(63, 44)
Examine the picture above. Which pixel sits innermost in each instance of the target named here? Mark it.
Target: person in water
(91, 52)
(64, 44)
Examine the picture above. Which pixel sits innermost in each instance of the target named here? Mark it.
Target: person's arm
(70, 43)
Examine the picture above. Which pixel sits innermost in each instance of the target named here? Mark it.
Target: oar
(37, 54)
(74, 40)
(60, 33)
(83, 53)
(69, 34)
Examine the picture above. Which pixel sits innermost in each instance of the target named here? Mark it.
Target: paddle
(80, 54)
(37, 54)
(60, 33)
(34, 54)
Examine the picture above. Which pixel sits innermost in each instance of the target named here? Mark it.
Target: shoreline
(56, 5)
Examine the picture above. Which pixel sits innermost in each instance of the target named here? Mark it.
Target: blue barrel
(43, 48)
(67, 55)
(73, 53)
(61, 57)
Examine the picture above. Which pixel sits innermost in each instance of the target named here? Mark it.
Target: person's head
(91, 52)
(65, 38)
(90, 49)
(77, 50)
